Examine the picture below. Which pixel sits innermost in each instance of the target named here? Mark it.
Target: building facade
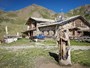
(76, 25)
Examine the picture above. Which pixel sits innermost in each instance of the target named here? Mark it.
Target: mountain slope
(36, 11)
(83, 11)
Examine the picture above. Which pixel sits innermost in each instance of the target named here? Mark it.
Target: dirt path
(53, 65)
(43, 46)
(43, 62)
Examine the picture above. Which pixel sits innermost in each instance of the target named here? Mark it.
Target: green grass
(72, 42)
(77, 43)
(29, 42)
(21, 58)
(22, 41)
(26, 58)
(49, 42)
(81, 57)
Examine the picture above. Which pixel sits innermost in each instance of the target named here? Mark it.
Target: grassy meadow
(26, 58)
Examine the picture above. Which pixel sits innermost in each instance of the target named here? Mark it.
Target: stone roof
(39, 20)
(42, 19)
(63, 22)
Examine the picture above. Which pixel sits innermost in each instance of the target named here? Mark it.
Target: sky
(55, 5)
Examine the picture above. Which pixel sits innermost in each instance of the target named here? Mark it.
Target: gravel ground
(44, 47)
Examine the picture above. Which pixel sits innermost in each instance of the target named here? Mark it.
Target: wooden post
(6, 29)
(64, 47)
(18, 36)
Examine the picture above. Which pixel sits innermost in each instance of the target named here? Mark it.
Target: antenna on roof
(59, 18)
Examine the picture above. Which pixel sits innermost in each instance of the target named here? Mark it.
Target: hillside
(35, 11)
(82, 10)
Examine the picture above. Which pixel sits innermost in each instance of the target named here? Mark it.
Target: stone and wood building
(76, 25)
